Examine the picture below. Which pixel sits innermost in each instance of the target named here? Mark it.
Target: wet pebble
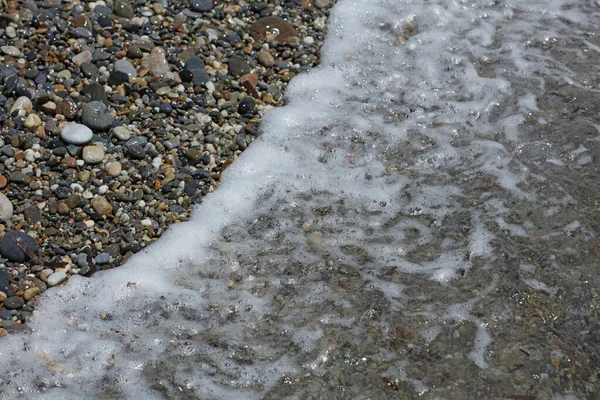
(96, 116)
(92, 154)
(76, 134)
(10, 248)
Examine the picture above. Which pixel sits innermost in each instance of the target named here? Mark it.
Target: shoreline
(170, 97)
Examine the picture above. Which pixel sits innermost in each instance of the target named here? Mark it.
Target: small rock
(92, 154)
(201, 5)
(114, 169)
(266, 59)
(11, 51)
(122, 133)
(31, 293)
(76, 134)
(32, 215)
(123, 8)
(6, 208)
(96, 116)
(102, 258)
(56, 278)
(14, 303)
(32, 121)
(274, 27)
(246, 106)
(21, 106)
(238, 66)
(83, 57)
(126, 67)
(249, 81)
(11, 250)
(100, 205)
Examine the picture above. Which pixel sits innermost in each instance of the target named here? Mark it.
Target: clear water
(420, 220)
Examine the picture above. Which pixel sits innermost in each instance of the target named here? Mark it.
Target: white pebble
(102, 189)
(6, 208)
(76, 134)
(56, 278)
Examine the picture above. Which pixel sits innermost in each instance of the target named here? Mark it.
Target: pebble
(275, 27)
(122, 133)
(83, 57)
(123, 8)
(56, 278)
(92, 154)
(96, 116)
(21, 106)
(266, 59)
(75, 133)
(100, 205)
(201, 5)
(126, 67)
(31, 293)
(14, 303)
(11, 250)
(238, 66)
(6, 208)
(33, 121)
(114, 169)
(11, 51)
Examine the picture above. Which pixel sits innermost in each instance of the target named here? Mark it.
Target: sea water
(418, 221)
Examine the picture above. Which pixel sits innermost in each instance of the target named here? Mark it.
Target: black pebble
(10, 249)
(246, 106)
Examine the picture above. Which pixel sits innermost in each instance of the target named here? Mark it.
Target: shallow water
(420, 220)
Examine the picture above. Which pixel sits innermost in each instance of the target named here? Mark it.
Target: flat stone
(76, 134)
(11, 250)
(72, 201)
(102, 258)
(276, 28)
(14, 303)
(11, 51)
(194, 155)
(96, 92)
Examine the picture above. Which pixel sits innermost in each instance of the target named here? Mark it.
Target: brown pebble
(276, 28)
(3, 181)
(101, 205)
(249, 81)
(69, 162)
(31, 293)
(63, 209)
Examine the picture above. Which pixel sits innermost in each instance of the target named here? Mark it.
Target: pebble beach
(117, 117)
